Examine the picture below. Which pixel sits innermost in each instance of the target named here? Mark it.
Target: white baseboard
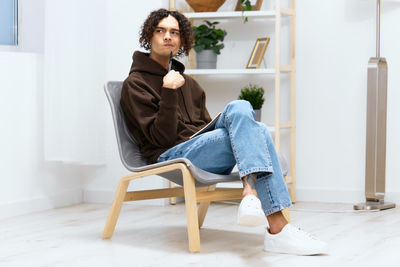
(56, 200)
(107, 196)
(338, 196)
(76, 196)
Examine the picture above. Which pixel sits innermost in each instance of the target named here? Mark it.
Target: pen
(170, 61)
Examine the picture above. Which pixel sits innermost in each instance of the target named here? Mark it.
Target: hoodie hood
(143, 63)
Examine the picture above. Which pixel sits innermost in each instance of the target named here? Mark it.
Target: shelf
(228, 71)
(232, 14)
(237, 14)
(284, 68)
(284, 125)
(271, 129)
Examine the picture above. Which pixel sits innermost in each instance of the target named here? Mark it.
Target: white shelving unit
(228, 71)
(238, 14)
(228, 15)
(275, 15)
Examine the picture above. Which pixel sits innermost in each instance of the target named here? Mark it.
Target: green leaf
(246, 7)
(254, 94)
(208, 37)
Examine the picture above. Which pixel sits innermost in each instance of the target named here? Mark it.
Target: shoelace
(306, 234)
(253, 199)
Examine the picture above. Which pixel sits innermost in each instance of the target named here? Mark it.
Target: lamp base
(374, 205)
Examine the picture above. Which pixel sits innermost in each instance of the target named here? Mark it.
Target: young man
(164, 108)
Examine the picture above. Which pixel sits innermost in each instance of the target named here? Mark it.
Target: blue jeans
(238, 139)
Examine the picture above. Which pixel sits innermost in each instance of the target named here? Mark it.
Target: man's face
(166, 37)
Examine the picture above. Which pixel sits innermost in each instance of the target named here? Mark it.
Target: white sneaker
(292, 240)
(250, 212)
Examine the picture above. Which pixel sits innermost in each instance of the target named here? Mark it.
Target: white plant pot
(206, 59)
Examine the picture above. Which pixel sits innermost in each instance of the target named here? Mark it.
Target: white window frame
(15, 31)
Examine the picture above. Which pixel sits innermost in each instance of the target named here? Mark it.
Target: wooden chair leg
(286, 214)
(115, 209)
(203, 207)
(172, 200)
(191, 210)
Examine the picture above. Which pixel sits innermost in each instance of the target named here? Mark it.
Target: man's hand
(173, 80)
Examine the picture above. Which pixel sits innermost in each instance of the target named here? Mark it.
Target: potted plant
(255, 95)
(208, 44)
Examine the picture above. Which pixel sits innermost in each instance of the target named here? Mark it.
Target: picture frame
(258, 53)
(256, 6)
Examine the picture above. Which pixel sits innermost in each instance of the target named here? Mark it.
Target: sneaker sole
(300, 253)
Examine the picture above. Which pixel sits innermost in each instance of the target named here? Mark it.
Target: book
(208, 127)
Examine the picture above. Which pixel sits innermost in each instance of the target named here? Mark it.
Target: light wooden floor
(156, 236)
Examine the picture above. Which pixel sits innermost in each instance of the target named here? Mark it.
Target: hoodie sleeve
(157, 122)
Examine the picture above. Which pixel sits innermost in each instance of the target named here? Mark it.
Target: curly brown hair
(185, 29)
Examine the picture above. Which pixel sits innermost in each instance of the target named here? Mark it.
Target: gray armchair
(198, 186)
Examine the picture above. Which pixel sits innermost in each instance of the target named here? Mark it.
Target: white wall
(335, 40)
(74, 73)
(28, 183)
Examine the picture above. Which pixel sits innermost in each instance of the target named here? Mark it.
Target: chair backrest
(129, 150)
(127, 145)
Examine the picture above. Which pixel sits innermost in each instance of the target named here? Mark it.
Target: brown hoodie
(160, 118)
